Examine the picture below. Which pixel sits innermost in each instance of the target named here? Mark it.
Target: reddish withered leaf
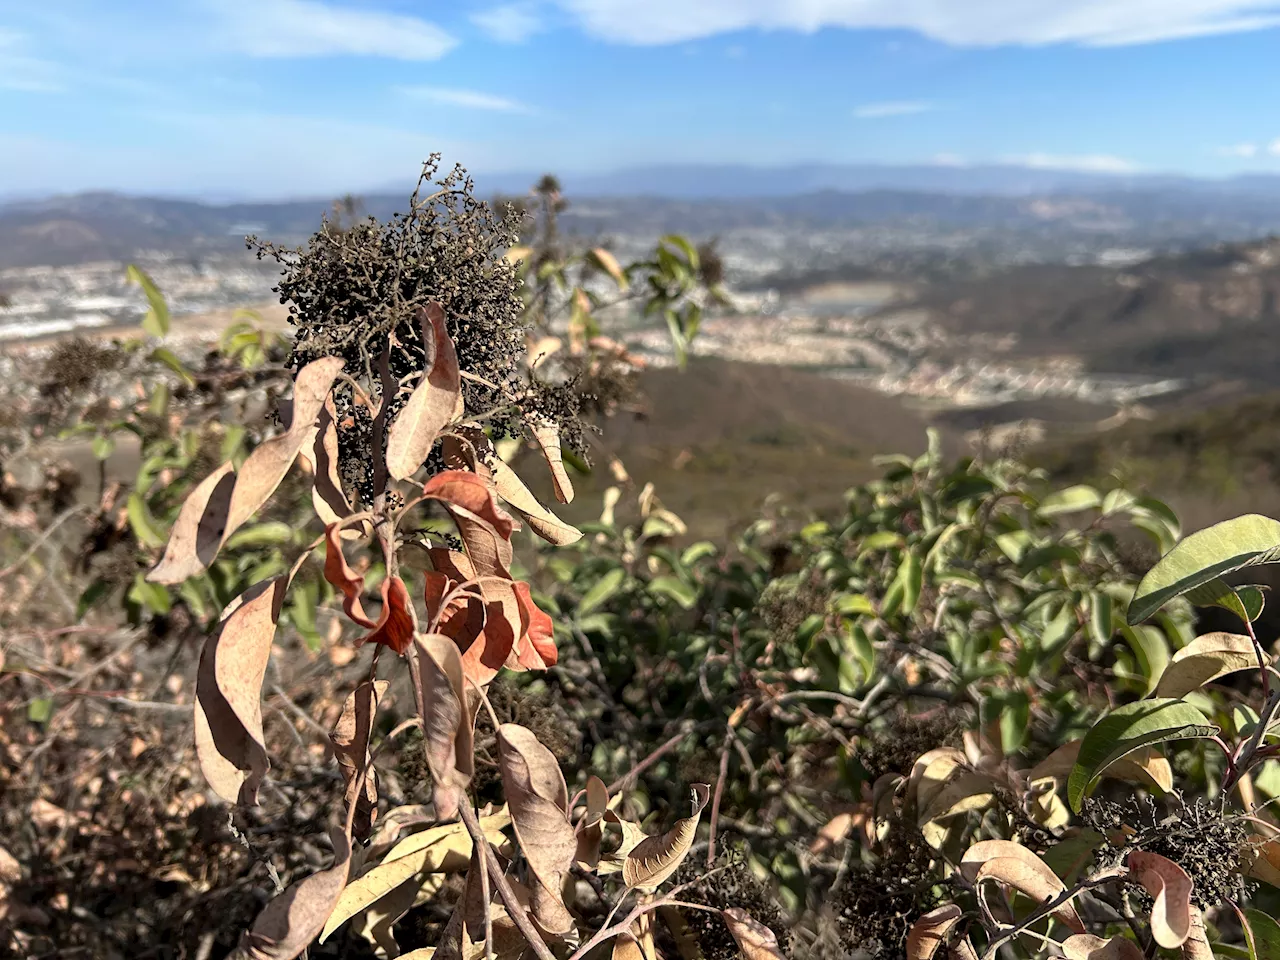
(290, 922)
(432, 404)
(228, 710)
(485, 528)
(339, 573)
(396, 623)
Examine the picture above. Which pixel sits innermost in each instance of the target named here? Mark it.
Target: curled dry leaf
(1015, 866)
(1263, 860)
(539, 800)
(289, 923)
(929, 932)
(434, 401)
(328, 499)
(930, 773)
(547, 435)
(228, 709)
(485, 528)
(1170, 888)
(350, 739)
(197, 534)
(657, 858)
(446, 723)
(541, 520)
(396, 624)
(217, 508)
(962, 950)
(965, 792)
(1203, 660)
(1085, 946)
(755, 940)
(590, 829)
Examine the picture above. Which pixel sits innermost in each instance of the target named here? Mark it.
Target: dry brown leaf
(289, 923)
(228, 711)
(1016, 866)
(263, 470)
(1170, 888)
(538, 799)
(590, 830)
(541, 520)
(929, 932)
(200, 529)
(339, 573)
(432, 404)
(657, 858)
(1263, 860)
(397, 623)
(446, 726)
(755, 940)
(350, 739)
(968, 791)
(546, 434)
(962, 950)
(1085, 946)
(327, 497)
(607, 262)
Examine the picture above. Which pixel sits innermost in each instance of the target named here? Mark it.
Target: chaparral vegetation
(309, 659)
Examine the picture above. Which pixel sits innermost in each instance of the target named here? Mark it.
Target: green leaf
(1151, 649)
(679, 591)
(696, 551)
(92, 596)
(151, 596)
(170, 360)
(1203, 556)
(1129, 728)
(102, 446)
(143, 524)
(911, 573)
(601, 590)
(1245, 602)
(880, 540)
(1015, 721)
(854, 604)
(1263, 934)
(1070, 500)
(156, 322)
(273, 533)
(39, 711)
(1101, 625)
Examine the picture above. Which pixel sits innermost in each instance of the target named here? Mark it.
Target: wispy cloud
(891, 108)
(308, 28)
(1242, 150)
(1082, 163)
(468, 99)
(25, 73)
(509, 23)
(1274, 147)
(949, 160)
(975, 23)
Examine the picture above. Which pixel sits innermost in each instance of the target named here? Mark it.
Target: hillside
(721, 437)
(1203, 315)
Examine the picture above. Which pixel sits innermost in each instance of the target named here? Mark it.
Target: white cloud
(891, 108)
(1245, 150)
(307, 28)
(949, 160)
(468, 99)
(967, 23)
(509, 23)
(1082, 163)
(1274, 148)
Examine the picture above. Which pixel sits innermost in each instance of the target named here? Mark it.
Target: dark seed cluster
(906, 739)
(1201, 837)
(352, 292)
(733, 886)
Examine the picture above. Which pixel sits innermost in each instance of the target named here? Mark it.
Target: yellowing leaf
(1143, 766)
(931, 772)
(547, 435)
(443, 849)
(541, 520)
(607, 262)
(433, 403)
(1205, 659)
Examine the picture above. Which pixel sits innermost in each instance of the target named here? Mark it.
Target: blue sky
(306, 97)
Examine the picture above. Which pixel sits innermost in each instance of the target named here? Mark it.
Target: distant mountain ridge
(1134, 209)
